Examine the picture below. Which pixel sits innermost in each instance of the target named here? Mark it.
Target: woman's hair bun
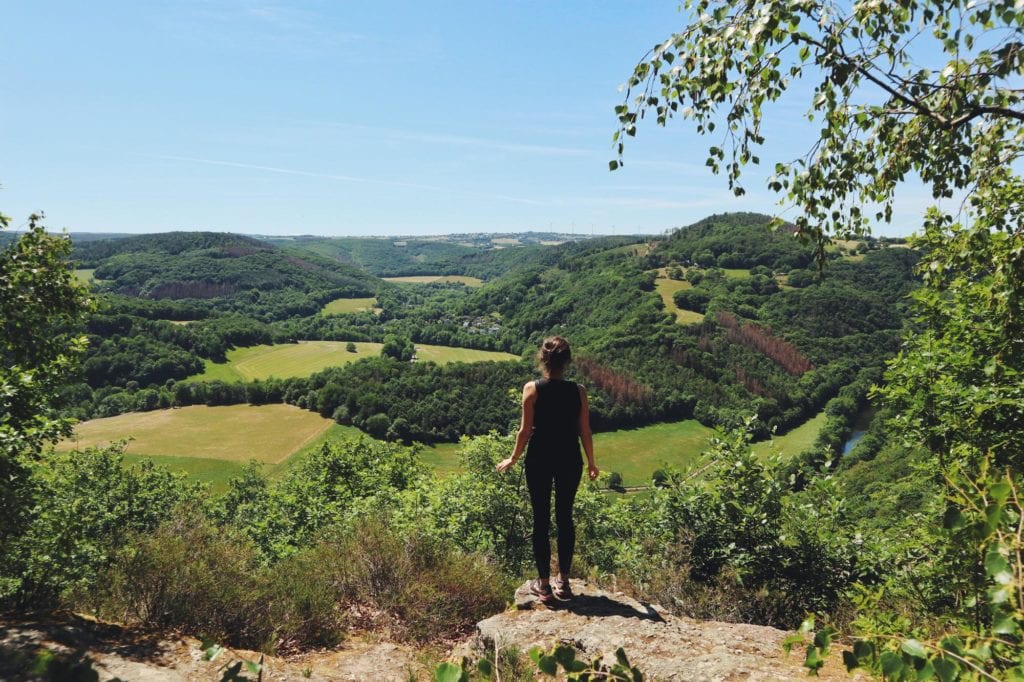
(554, 353)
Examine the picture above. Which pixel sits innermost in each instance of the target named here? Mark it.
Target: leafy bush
(326, 488)
(426, 590)
(87, 505)
(189, 574)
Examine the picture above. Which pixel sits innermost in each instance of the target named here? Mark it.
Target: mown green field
(637, 453)
(218, 472)
(666, 289)
(445, 354)
(215, 472)
(84, 275)
(796, 440)
(737, 273)
(285, 360)
(213, 444)
(634, 453)
(233, 433)
(301, 359)
(340, 306)
(440, 279)
(442, 458)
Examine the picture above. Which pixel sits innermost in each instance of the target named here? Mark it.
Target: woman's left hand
(505, 464)
(593, 472)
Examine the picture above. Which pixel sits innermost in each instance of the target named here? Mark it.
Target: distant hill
(480, 255)
(383, 257)
(734, 240)
(212, 265)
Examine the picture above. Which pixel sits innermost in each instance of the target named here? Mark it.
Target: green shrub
(426, 590)
(189, 574)
(86, 506)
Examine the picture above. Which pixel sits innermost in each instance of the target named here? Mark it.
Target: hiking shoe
(563, 590)
(542, 592)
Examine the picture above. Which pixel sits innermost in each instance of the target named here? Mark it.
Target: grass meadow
(341, 306)
(236, 433)
(285, 360)
(213, 444)
(84, 275)
(445, 354)
(795, 440)
(637, 453)
(436, 279)
(666, 289)
(301, 359)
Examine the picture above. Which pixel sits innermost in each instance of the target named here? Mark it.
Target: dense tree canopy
(41, 309)
(916, 87)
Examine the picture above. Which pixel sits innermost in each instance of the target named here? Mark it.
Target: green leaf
(548, 665)
(993, 515)
(792, 640)
(535, 654)
(945, 669)
(982, 652)
(850, 661)
(620, 656)
(914, 648)
(952, 644)
(565, 655)
(486, 668)
(253, 667)
(997, 567)
(892, 664)
(812, 661)
(213, 652)
(613, 165)
(576, 666)
(863, 650)
(1005, 624)
(449, 672)
(1000, 492)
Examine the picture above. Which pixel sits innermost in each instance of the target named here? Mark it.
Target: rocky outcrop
(664, 647)
(121, 653)
(595, 622)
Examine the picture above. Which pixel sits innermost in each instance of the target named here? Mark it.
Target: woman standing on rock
(556, 418)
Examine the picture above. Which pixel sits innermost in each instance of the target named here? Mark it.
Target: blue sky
(346, 118)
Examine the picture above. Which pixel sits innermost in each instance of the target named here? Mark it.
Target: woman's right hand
(505, 464)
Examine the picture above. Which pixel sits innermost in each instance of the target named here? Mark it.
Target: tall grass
(194, 576)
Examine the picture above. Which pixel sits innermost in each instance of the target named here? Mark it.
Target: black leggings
(541, 472)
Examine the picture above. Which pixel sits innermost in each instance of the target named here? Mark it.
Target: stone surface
(664, 647)
(595, 622)
(127, 654)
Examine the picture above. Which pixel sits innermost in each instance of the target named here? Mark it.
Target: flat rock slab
(123, 653)
(664, 647)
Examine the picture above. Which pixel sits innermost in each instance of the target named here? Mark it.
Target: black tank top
(556, 418)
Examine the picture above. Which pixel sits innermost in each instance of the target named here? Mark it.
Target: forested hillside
(759, 345)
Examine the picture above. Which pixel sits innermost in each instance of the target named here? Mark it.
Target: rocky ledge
(664, 647)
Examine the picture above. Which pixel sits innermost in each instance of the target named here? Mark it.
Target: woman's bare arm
(525, 426)
(586, 436)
